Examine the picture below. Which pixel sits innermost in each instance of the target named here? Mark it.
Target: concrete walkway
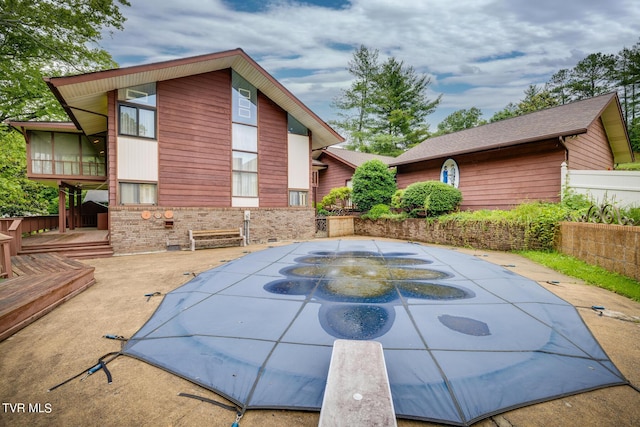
(69, 340)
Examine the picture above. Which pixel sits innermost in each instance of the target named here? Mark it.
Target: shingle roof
(355, 158)
(564, 120)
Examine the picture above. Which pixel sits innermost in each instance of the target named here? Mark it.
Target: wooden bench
(220, 237)
(357, 391)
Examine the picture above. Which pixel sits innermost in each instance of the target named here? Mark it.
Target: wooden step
(61, 245)
(77, 251)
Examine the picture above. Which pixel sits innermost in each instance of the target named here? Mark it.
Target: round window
(450, 174)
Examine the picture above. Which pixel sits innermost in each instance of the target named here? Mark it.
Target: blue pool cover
(463, 338)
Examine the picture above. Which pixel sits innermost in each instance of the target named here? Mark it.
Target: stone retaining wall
(482, 235)
(151, 229)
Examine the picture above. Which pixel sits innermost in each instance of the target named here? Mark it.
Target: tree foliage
(373, 184)
(535, 98)
(38, 38)
(384, 110)
(18, 195)
(594, 75)
(354, 104)
(49, 37)
(460, 120)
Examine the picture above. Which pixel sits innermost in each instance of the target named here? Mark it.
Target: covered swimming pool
(463, 338)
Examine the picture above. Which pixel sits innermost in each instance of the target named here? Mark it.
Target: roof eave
(493, 147)
(322, 134)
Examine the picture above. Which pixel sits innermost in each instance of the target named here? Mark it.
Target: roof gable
(84, 96)
(555, 122)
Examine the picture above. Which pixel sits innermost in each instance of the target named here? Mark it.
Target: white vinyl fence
(621, 188)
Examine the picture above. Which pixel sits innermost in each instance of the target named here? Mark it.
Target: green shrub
(633, 213)
(396, 199)
(540, 219)
(431, 198)
(337, 198)
(320, 211)
(377, 211)
(373, 184)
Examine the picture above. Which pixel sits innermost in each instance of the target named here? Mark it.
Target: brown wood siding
(335, 175)
(499, 179)
(416, 172)
(590, 151)
(272, 154)
(194, 140)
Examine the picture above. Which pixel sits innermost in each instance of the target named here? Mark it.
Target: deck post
(5, 256)
(72, 208)
(62, 208)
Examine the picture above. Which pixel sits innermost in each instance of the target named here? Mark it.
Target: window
(244, 101)
(244, 136)
(296, 127)
(132, 193)
(450, 173)
(60, 153)
(41, 152)
(66, 154)
(245, 174)
(298, 198)
(137, 111)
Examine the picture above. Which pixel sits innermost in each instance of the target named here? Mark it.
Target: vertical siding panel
(194, 140)
(272, 154)
(112, 159)
(590, 151)
(335, 175)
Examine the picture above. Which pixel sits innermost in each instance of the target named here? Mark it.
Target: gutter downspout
(564, 172)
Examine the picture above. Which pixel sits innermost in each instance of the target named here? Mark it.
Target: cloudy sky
(478, 53)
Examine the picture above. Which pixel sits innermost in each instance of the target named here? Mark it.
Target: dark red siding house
(205, 142)
(501, 164)
(335, 167)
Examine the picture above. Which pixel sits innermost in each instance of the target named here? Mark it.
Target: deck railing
(17, 227)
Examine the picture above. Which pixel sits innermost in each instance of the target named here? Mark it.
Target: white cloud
(452, 40)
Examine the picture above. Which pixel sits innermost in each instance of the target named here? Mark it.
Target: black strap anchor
(101, 365)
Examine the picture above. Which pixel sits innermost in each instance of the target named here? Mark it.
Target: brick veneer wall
(481, 235)
(131, 233)
(613, 247)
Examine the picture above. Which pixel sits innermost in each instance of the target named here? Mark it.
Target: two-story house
(211, 141)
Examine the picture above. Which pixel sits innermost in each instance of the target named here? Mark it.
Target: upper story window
(294, 126)
(244, 101)
(59, 153)
(244, 137)
(137, 110)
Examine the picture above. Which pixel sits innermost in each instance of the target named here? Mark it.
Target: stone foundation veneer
(168, 228)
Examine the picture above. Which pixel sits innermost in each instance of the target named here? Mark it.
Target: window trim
(138, 107)
(299, 191)
(120, 203)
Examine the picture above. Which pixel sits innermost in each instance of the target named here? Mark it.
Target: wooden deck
(41, 282)
(81, 243)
